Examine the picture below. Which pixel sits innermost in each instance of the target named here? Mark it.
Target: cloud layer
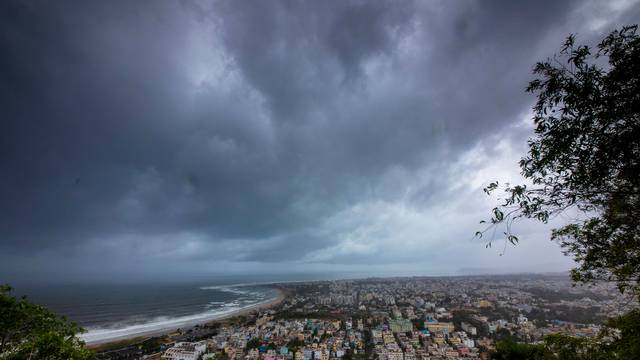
(262, 136)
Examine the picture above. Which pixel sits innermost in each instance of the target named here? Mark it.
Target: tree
(295, 344)
(510, 350)
(30, 331)
(619, 340)
(624, 331)
(253, 343)
(585, 158)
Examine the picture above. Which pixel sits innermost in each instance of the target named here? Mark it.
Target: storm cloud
(247, 136)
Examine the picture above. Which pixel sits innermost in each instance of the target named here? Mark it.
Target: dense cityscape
(395, 319)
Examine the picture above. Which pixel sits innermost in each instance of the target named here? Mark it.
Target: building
(439, 327)
(400, 325)
(186, 351)
(469, 343)
(470, 329)
(395, 354)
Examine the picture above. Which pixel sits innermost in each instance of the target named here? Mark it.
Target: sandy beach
(171, 325)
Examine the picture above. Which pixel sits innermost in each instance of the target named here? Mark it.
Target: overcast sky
(172, 137)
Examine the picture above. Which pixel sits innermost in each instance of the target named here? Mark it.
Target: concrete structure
(470, 329)
(436, 327)
(400, 325)
(185, 351)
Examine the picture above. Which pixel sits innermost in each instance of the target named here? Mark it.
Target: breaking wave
(214, 310)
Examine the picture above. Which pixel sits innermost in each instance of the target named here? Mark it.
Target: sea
(111, 311)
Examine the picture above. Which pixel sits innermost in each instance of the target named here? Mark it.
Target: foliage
(510, 350)
(624, 332)
(30, 331)
(503, 333)
(585, 158)
(418, 324)
(295, 344)
(151, 345)
(619, 340)
(254, 343)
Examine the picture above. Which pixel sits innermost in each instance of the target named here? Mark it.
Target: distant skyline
(160, 138)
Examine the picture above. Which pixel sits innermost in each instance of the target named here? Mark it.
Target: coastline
(98, 340)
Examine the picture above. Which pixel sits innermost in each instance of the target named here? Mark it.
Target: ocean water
(113, 311)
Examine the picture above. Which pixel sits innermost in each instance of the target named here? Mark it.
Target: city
(417, 318)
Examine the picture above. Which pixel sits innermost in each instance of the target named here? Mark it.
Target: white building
(468, 343)
(186, 351)
(470, 329)
(522, 319)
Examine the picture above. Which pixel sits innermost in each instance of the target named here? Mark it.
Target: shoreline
(184, 324)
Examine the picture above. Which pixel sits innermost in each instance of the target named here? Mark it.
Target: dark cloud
(256, 132)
